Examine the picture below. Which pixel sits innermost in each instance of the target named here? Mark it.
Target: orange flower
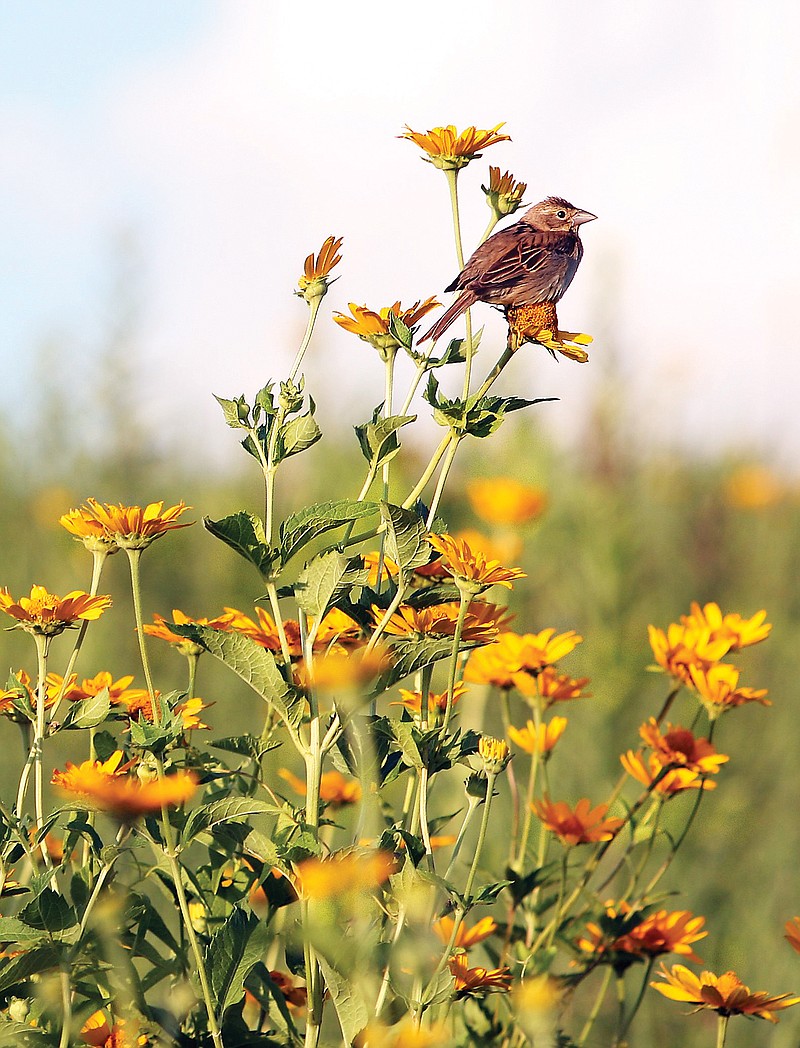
(124, 796)
(294, 995)
(91, 686)
(129, 527)
(555, 687)
(667, 783)
(337, 627)
(683, 646)
(503, 500)
(25, 693)
(739, 632)
(412, 700)
(792, 929)
(719, 691)
(514, 659)
(314, 282)
(374, 327)
(389, 568)
(503, 194)
(581, 825)
(160, 628)
(725, 994)
(494, 754)
(538, 739)
(679, 746)
(473, 568)
(473, 981)
(753, 487)
(465, 937)
(624, 932)
(96, 1031)
(344, 872)
(439, 620)
(334, 788)
(47, 614)
(450, 150)
(265, 632)
(502, 547)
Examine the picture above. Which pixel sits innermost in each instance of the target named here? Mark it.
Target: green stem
(312, 319)
(452, 672)
(722, 1030)
(446, 466)
(430, 469)
(472, 806)
(490, 780)
(134, 560)
(532, 775)
(192, 660)
(598, 1004)
(66, 1006)
(625, 1026)
(42, 646)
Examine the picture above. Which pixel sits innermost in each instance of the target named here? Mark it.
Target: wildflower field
(385, 744)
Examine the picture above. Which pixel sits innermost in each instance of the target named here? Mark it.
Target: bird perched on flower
(525, 268)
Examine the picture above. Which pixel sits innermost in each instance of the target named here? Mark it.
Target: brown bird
(528, 264)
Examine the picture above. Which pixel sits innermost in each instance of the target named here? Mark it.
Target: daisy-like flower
(553, 687)
(313, 284)
(89, 531)
(466, 937)
(341, 670)
(718, 689)
(538, 739)
(725, 994)
(343, 873)
(265, 632)
(389, 570)
(437, 702)
(90, 686)
(97, 1031)
(26, 694)
(581, 825)
(295, 995)
(450, 150)
(404, 1035)
(792, 929)
(108, 786)
(160, 628)
(334, 788)
(515, 659)
(475, 981)
(374, 328)
(494, 754)
(47, 614)
(739, 632)
(505, 501)
(439, 620)
(129, 527)
(624, 936)
(471, 569)
(682, 646)
(668, 783)
(138, 703)
(503, 194)
(678, 745)
(503, 547)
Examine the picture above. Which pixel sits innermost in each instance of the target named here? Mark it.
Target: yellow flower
(90, 532)
(450, 150)
(124, 796)
(404, 1035)
(753, 487)
(502, 547)
(503, 194)
(439, 620)
(437, 702)
(129, 527)
(581, 825)
(91, 686)
(739, 632)
(334, 788)
(190, 711)
(296, 996)
(667, 783)
(504, 500)
(471, 568)
(314, 282)
(374, 328)
(465, 937)
(725, 994)
(473, 981)
(97, 1032)
(344, 872)
(555, 687)
(719, 691)
(679, 746)
(47, 614)
(514, 660)
(541, 739)
(389, 568)
(494, 753)
(623, 931)
(683, 646)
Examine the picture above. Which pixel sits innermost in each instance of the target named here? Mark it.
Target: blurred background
(166, 169)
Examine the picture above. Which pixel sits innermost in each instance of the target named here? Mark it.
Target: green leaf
(232, 953)
(404, 734)
(244, 533)
(246, 745)
(18, 969)
(401, 331)
(263, 848)
(225, 810)
(12, 929)
(236, 411)
(88, 713)
(378, 437)
(351, 1009)
(20, 1035)
(302, 527)
(104, 745)
(296, 435)
(406, 537)
(255, 665)
(325, 577)
(49, 911)
(411, 655)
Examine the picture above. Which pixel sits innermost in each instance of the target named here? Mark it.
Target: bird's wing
(540, 263)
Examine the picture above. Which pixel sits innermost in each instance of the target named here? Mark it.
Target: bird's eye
(561, 213)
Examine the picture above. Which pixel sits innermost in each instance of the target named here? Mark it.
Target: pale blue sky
(231, 137)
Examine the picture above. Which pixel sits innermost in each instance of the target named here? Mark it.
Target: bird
(525, 268)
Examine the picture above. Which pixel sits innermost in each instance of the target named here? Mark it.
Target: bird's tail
(461, 304)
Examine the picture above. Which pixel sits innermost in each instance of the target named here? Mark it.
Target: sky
(186, 157)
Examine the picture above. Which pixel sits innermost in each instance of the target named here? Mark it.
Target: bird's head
(555, 213)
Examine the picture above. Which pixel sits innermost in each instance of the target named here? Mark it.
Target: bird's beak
(582, 216)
